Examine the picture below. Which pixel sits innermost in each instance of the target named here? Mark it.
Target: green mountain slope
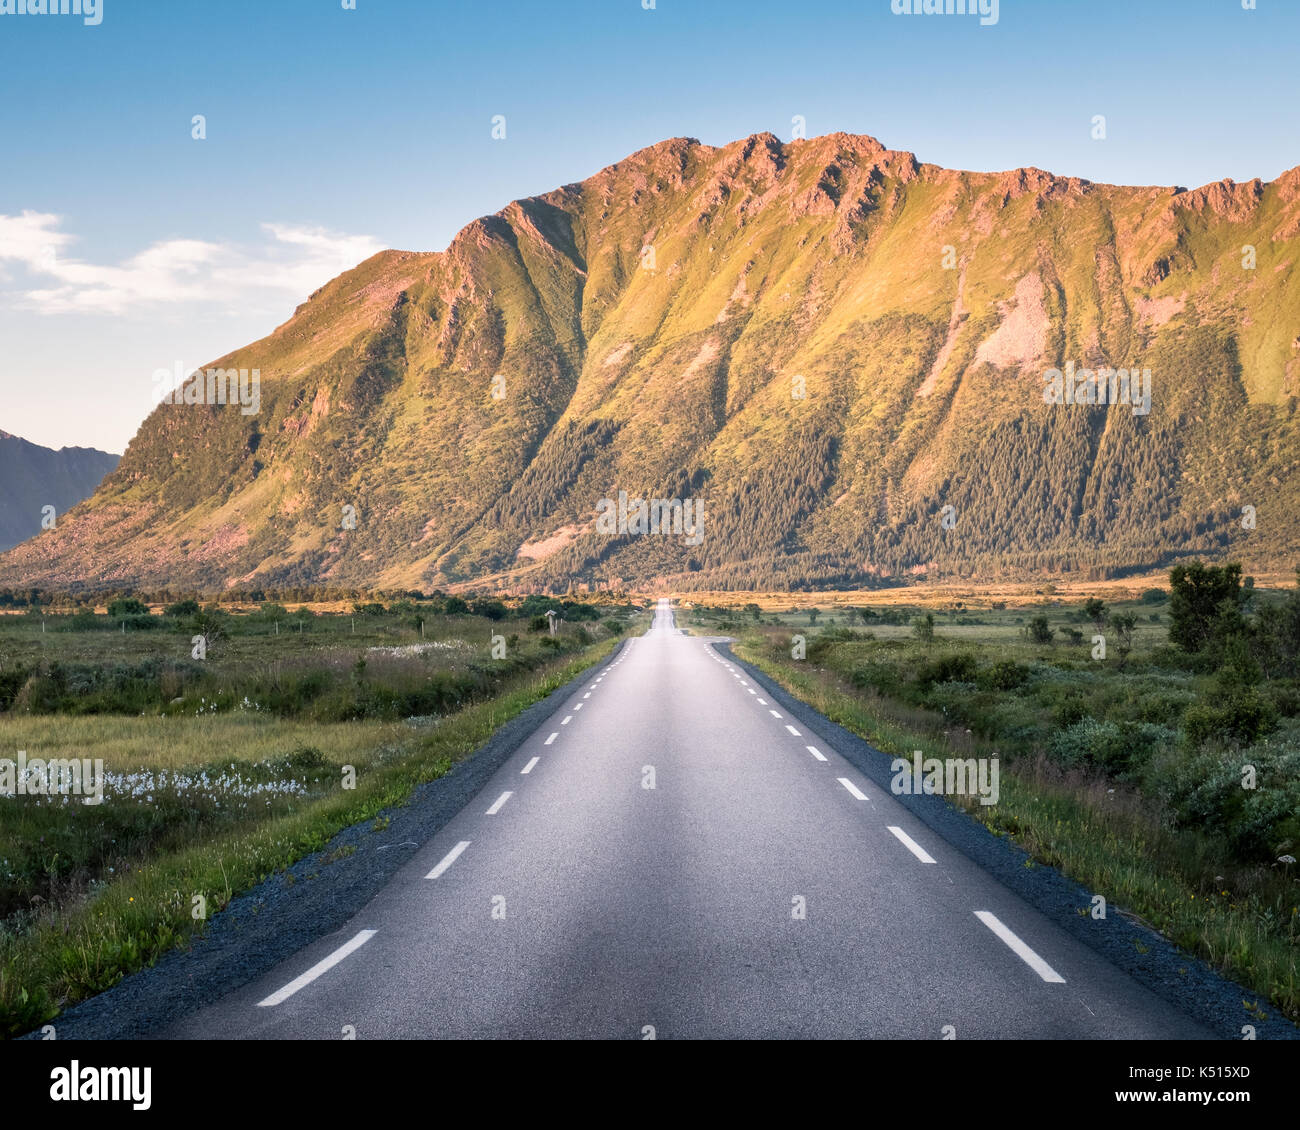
(651, 328)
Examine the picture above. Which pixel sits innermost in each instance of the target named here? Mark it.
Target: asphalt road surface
(667, 856)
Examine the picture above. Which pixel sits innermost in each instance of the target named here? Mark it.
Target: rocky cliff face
(838, 350)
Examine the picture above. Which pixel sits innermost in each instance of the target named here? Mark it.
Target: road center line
(552, 738)
(816, 753)
(316, 970)
(578, 707)
(500, 803)
(911, 845)
(448, 859)
(1022, 951)
(858, 793)
(567, 719)
(762, 702)
(793, 731)
(774, 713)
(529, 767)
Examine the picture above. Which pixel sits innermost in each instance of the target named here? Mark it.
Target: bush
(1007, 675)
(1037, 629)
(182, 608)
(1205, 791)
(127, 607)
(1113, 747)
(961, 668)
(1236, 717)
(878, 676)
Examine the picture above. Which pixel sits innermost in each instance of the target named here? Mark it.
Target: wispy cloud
(292, 260)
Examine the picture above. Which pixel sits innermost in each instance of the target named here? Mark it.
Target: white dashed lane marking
(316, 970)
(1022, 951)
(448, 859)
(853, 789)
(911, 845)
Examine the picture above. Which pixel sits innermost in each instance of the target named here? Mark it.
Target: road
(666, 857)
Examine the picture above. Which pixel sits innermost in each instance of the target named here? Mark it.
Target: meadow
(233, 742)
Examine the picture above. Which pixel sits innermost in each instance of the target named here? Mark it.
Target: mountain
(652, 327)
(36, 477)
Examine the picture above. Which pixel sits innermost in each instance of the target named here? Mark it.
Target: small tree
(923, 627)
(1095, 610)
(754, 611)
(1201, 599)
(1038, 630)
(1123, 624)
(813, 613)
(211, 624)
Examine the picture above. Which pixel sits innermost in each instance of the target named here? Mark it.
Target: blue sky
(126, 245)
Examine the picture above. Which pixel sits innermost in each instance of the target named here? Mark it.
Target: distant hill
(653, 328)
(33, 477)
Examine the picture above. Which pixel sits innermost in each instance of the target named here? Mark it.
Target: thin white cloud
(292, 261)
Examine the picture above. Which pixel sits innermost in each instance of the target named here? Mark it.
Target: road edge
(1202, 994)
(308, 901)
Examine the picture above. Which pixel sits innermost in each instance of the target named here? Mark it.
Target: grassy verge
(82, 942)
(1239, 916)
